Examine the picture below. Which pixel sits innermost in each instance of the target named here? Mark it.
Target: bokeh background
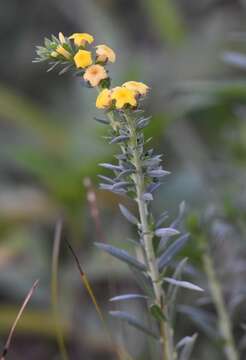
(191, 54)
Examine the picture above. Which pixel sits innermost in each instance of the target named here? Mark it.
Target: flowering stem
(138, 178)
(223, 317)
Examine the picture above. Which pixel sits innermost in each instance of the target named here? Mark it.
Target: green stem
(223, 317)
(154, 274)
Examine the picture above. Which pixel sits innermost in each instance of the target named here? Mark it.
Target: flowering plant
(138, 175)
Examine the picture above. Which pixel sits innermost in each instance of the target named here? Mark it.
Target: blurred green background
(191, 54)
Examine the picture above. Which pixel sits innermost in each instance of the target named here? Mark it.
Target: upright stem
(154, 274)
(223, 317)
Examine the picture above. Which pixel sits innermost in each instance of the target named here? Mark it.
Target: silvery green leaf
(128, 297)
(163, 217)
(187, 345)
(173, 290)
(128, 215)
(103, 186)
(204, 320)
(133, 321)
(53, 66)
(153, 187)
(158, 173)
(171, 251)
(120, 184)
(166, 232)
(65, 69)
(184, 284)
(122, 255)
(111, 166)
(143, 122)
(102, 121)
(124, 173)
(179, 218)
(105, 178)
(235, 58)
(147, 197)
(144, 282)
(119, 139)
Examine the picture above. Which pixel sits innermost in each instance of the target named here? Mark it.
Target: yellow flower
(139, 87)
(61, 38)
(80, 39)
(83, 59)
(123, 96)
(105, 53)
(104, 99)
(61, 51)
(94, 74)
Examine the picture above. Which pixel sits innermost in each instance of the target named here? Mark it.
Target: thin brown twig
(24, 304)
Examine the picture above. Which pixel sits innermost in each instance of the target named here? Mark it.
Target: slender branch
(224, 322)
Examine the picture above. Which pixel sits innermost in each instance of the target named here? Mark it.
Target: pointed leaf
(111, 166)
(133, 321)
(166, 232)
(122, 255)
(128, 297)
(172, 250)
(187, 345)
(184, 284)
(128, 215)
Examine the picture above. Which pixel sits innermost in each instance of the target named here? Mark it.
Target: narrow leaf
(122, 255)
(158, 173)
(128, 215)
(172, 250)
(119, 139)
(187, 345)
(133, 321)
(128, 297)
(166, 232)
(111, 166)
(184, 284)
(102, 121)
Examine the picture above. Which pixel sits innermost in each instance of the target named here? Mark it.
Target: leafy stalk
(224, 322)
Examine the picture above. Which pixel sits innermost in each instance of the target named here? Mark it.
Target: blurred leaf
(133, 321)
(122, 255)
(166, 19)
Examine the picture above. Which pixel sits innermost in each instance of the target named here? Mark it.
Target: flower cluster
(73, 53)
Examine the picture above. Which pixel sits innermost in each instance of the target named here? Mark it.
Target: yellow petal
(123, 96)
(139, 87)
(104, 99)
(83, 59)
(94, 74)
(105, 53)
(80, 39)
(60, 50)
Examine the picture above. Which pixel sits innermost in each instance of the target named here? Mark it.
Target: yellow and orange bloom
(94, 74)
(105, 53)
(104, 99)
(123, 96)
(61, 51)
(83, 59)
(137, 86)
(81, 39)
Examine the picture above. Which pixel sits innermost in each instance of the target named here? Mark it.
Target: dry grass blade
(27, 298)
(54, 290)
(121, 353)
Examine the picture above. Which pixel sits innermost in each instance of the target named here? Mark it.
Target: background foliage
(191, 54)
